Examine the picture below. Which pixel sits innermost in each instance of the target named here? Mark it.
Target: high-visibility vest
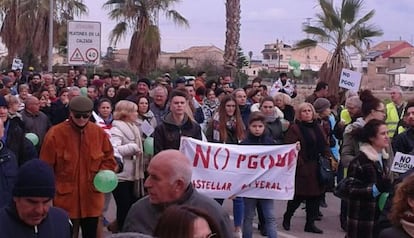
(393, 119)
(345, 117)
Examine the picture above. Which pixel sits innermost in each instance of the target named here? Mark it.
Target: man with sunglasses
(77, 149)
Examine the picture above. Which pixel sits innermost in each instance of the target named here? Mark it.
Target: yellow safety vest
(345, 117)
(393, 119)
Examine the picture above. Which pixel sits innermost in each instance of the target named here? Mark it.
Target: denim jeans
(238, 209)
(267, 206)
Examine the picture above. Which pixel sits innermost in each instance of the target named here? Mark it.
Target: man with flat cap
(77, 149)
(31, 213)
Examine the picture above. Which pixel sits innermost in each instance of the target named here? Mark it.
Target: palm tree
(25, 25)
(342, 29)
(232, 34)
(140, 17)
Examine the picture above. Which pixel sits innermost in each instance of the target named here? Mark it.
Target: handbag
(342, 189)
(325, 172)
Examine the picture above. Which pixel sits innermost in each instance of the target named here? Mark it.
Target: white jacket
(126, 140)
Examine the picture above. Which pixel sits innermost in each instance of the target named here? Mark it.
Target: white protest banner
(255, 171)
(84, 42)
(350, 80)
(402, 162)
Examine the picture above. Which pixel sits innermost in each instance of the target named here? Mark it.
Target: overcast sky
(262, 21)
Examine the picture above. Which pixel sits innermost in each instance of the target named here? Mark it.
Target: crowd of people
(87, 124)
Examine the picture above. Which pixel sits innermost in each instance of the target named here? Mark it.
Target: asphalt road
(329, 223)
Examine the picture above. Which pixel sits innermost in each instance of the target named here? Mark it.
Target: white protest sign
(350, 80)
(84, 42)
(254, 171)
(146, 128)
(17, 64)
(402, 162)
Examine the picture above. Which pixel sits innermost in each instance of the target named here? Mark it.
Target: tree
(232, 34)
(341, 28)
(25, 26)
(241, 59)
(140, 17)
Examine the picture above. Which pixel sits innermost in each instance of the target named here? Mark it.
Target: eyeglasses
(383, 110)
(83, 115)
(211, 235)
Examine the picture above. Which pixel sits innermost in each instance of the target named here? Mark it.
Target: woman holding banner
(313, 143)
(227, 127)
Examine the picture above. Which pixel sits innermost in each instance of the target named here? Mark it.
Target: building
(276, 56)
(195, 57)
(381, 62)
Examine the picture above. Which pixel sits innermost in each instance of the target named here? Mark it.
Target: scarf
(271, 118)
(314, 139)
(407, 223)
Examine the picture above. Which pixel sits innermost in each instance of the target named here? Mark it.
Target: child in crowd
(257, 136)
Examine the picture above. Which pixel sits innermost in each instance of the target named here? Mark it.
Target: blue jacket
(264, 139)
(56, 224)
(8, 174)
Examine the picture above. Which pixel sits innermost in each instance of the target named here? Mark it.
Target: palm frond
(350, 9)
(177, 18)
(120, 31)
(305, 43)
(331, 19)
(317, 31)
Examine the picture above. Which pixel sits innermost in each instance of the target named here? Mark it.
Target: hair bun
(366, 95)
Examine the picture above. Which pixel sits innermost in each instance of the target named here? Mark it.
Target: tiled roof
(386, 45)
(404, 53)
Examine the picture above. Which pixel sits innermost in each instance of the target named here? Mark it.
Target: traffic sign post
(84, 42)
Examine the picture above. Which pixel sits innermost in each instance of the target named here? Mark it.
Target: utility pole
(50, 49)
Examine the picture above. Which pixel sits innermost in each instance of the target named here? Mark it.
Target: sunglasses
(83, 115)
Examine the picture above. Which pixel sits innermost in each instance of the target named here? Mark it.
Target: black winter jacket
(167, 135)
(56, 224)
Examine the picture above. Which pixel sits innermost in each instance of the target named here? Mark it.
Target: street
(329, 224)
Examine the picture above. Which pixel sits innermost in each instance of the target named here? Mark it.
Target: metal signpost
(84, 43)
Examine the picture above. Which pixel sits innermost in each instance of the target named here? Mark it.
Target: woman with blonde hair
(308, 188)
(283, 102)
(127, 143)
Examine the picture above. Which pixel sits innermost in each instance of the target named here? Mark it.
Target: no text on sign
(84, 42)
(350, 80)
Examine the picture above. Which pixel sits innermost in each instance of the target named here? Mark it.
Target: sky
(262, 21)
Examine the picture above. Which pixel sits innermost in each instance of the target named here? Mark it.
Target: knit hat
(321, 104)
(144, 80)
(81, 104)
(35, 179)
(3, 102)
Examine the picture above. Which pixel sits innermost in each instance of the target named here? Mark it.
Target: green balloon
(382, 200)
(105, 181)
(84, 91)
(297, 72)
(149, 146)
(33, 138)
(295, 64)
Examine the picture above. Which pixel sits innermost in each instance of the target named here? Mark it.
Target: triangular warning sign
(76, 56)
